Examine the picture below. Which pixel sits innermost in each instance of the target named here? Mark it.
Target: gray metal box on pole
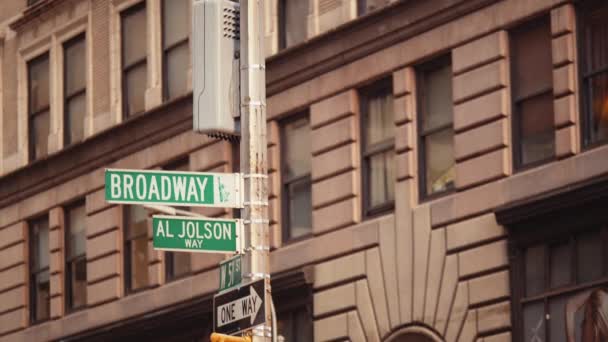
(216, 68)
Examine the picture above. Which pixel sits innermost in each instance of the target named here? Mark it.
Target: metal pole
(253, 154)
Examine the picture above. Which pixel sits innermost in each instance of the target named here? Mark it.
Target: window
(136, 248)
(296, 156)
(378, 137)
(293, 22)
(532, 86)
(75, 90)
(176, 52)
(563, 284)
(134, 60)
(594, 42)
(366, 6)
(40, 302)
(295, 324)
(293, 296)
(75, 256)
(177, 264)
(38, 106)
(435, 127)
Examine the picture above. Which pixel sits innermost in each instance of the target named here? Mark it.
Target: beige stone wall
(440, 265)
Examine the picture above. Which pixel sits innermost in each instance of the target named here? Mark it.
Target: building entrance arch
(414, 334)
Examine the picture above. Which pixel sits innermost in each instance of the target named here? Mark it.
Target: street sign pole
(253, 156)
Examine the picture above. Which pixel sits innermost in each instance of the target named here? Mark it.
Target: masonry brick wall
(13, 277)
(567, 141)
(9, 100)
(100, 35)
(335, 162)
(481, 75)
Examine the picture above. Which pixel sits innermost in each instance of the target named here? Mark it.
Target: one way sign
(240, 309)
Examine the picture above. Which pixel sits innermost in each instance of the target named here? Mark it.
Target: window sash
(388, 205)
(126, 90)
(166, 52)
(70, 269)
(34, 296)
(304, 180)
(518, 131)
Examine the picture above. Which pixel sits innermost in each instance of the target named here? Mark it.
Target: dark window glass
(74, 89)
(297, 200)
(378, 132)
(134, 62)
(75, 256)
(534, 322)
(535, 270)
(177, 264)
(595, 72)
(293, 22)
(566, 305)
(589, 257)
(436, 131)
(560, 268)
(532, 77)
(40, 301)
(366, 6)
(175, 47)
(136, 248)
(295, 325)
(38, 106)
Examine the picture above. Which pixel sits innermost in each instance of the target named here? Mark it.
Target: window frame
(282, 25)
(516, 118)
(31, 115)
(286, 182)
(70, 261)
(79, 38)
(421, 70)
(166, 50)
(127, 249)
(125, 69)
(545, 220)
(33, 273)
(583, 13)
(379, 88)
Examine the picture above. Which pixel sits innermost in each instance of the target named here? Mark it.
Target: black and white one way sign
(240, 309)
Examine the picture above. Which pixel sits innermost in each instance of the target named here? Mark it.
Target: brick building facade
(437, 170)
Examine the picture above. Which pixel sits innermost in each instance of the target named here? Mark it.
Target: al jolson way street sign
(192, 234)
(174, 188)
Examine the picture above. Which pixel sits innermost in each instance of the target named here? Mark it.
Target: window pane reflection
(534, 322)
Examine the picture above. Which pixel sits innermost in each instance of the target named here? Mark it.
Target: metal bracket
(260, 203)
(255, 175)
(262, 331)
(256, 275)
(256, 221)
(254, 66)
(257, 248)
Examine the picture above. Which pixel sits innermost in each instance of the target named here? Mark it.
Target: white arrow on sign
(239, 309)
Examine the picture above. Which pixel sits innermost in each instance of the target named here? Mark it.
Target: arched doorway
(412, 337)
(414, 334)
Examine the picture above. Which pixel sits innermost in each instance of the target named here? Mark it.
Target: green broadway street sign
(230, 272)
(174, 188)
(191, 234)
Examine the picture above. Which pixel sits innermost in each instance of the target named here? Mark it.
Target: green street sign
(192, 234)
(174, 188)
(230, 272)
